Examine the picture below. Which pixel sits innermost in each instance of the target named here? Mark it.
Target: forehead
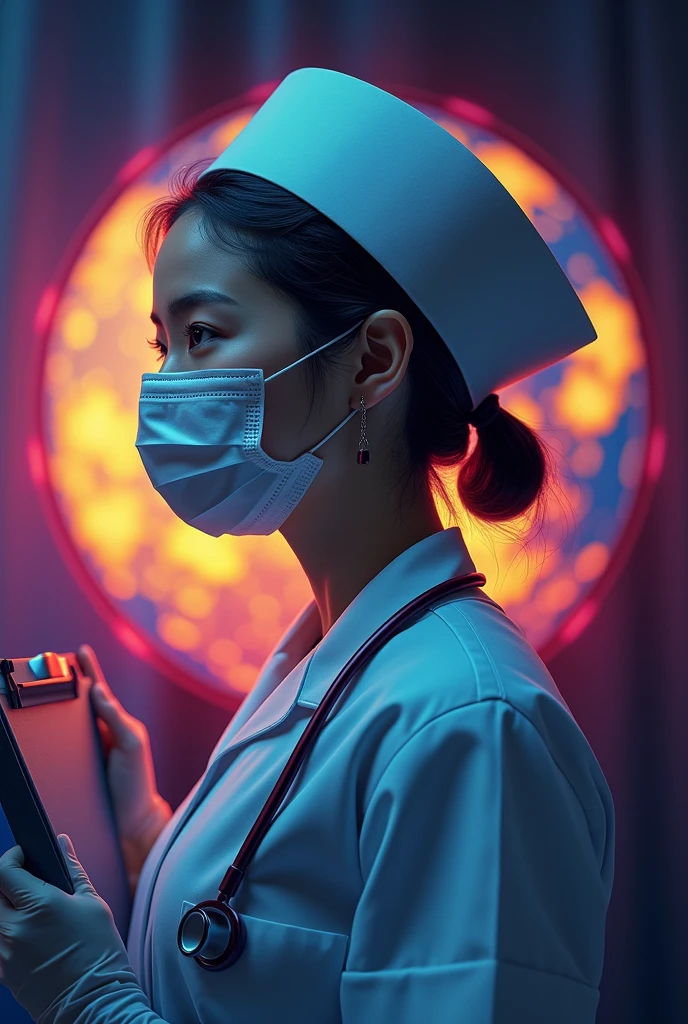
(188, 259)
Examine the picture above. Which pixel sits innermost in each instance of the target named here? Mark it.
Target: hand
(49, 939)
(140, 812)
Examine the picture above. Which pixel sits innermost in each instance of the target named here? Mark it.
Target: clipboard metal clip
(60, 683)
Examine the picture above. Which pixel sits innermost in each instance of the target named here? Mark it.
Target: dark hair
(333, 281)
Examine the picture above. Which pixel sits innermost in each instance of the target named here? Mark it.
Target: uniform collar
(430, 561)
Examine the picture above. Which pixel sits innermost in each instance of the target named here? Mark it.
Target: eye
(190, 328)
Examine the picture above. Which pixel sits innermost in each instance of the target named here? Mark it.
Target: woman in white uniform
(445, 850)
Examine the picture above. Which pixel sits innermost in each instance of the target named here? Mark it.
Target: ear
(384, 348)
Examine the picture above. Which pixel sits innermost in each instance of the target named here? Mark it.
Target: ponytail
(506, 471)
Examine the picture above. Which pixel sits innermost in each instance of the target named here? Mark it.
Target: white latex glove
(50, 939)
(140, 812)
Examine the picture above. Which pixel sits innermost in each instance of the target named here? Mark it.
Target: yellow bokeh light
(585, 404)
(179, 632)
(212, 559)
(79, 329)
(96, 427)
(141, 298)
(110, 525)
(196, 602)
(76, 477)
(617, 352)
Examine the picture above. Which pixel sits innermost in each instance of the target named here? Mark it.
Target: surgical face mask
(199, 436)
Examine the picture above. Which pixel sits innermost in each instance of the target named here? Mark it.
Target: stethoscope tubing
(218, 921)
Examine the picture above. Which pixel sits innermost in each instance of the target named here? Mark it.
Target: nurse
(338, 297)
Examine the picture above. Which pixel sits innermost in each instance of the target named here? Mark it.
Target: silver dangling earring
(363, 453)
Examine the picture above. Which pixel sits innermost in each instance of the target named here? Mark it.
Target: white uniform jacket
(445, 854)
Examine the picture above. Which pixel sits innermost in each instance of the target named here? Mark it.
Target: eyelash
(188, 328)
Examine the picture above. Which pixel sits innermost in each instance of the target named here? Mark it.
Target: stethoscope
(214, 933)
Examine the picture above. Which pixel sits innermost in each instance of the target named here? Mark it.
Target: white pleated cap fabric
(429, 211)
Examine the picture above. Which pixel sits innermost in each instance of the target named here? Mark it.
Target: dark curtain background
(601, 86)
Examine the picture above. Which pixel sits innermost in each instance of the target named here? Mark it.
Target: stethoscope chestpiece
(213, 933)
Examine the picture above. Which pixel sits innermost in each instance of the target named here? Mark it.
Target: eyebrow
(201, 296)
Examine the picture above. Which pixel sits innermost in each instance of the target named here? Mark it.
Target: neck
(347, 530)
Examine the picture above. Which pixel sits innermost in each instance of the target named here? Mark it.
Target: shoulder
(461, 652)
(466, 669)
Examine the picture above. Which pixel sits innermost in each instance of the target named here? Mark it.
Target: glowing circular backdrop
(207, 611)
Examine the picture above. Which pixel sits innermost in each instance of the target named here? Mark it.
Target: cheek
(286, 426)
(290, 426)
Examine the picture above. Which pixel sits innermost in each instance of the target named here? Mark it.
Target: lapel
(275, 690)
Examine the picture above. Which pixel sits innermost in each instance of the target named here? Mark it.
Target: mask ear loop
(338, 427)
(319, 349)
(307, 356)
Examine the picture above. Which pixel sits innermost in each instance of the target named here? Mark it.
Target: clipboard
(53, 776)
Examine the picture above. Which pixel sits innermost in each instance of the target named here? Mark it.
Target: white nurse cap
(426, 208)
